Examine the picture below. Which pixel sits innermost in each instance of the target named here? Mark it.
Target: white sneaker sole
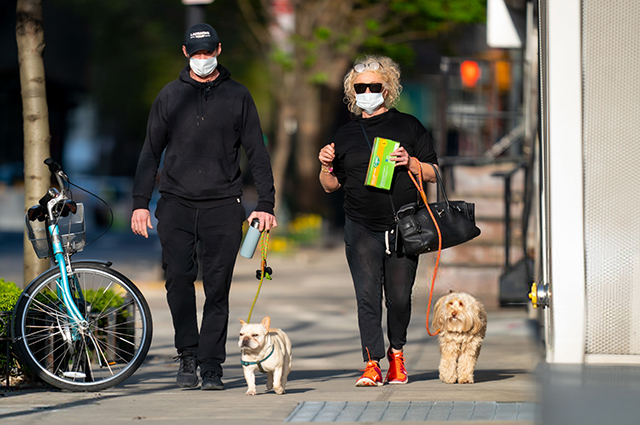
(397, 382)
(366, 382)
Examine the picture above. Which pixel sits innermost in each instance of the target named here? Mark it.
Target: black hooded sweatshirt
(202, 126)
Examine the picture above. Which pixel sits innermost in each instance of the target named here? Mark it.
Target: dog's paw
(448, 379)
(279, 390)
(250, 392)
(465, 379)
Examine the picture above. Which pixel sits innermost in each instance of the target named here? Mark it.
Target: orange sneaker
(372, 376)
(397, 374)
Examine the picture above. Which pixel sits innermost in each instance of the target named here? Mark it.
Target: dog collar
(259, 362)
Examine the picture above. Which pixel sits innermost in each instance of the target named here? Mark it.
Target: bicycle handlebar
(56, 170)
(54, 167)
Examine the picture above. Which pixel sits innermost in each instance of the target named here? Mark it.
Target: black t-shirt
(365, 204)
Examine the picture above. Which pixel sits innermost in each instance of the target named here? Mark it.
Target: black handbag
(455, 220)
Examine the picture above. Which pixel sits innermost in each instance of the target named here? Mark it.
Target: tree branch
(418, 35)
(260, 32)
(408, 36)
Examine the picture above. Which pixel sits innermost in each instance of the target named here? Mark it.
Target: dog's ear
(479, 317)
(437, 314)
(242, 322)
(266, 322)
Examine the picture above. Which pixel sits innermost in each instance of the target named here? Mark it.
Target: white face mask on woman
(203, 67)
(369, 102)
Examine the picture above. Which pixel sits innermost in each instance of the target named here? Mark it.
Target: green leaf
(323, 33)
(319, 78)
(372, 24)
(282, 58)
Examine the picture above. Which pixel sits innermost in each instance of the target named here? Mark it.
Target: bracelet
(326, 169)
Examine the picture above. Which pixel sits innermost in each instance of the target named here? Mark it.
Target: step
(493, 206)
(492, 232)
(481, 282)
(482, 255)
(487, 204)
(480, 179)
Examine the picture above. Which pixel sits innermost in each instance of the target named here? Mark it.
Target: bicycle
(81, 325)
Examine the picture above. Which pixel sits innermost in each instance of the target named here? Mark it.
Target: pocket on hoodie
(197, 176)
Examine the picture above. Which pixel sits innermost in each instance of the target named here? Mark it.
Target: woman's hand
(401, 157)
(327, 155)
(328, 179)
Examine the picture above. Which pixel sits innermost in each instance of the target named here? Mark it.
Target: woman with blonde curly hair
(374, 253)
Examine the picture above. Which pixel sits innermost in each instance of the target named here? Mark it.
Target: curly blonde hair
(389, 71)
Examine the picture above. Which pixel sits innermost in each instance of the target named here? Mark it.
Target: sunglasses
(373, 87)
(373, 66)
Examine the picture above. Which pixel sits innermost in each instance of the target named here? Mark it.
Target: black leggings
(372, 269)
(220, 232)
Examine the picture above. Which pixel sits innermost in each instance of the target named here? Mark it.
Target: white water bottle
(251, 239)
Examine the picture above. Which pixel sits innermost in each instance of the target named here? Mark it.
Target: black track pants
(220, 232)
(373, 271)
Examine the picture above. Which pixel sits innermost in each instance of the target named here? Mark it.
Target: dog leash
(264, 272)
(423, 195)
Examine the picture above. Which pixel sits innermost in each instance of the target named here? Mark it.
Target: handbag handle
(420, 186)
(440, 184)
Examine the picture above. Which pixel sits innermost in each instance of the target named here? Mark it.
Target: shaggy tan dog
(462, 321)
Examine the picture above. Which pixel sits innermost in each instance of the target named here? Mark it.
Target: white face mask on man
(203, 67)
(369, 102)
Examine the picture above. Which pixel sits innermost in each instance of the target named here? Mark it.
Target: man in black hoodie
(199, 122)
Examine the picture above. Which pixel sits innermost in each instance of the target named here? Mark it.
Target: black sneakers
(187, 376)
(211, 381)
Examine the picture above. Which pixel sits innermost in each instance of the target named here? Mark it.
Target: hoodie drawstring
(386, 242)
(201, 96)
(199, 107)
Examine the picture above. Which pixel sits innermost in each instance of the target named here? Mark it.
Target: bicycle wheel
(97, 353)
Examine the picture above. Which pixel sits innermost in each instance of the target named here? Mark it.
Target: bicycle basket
(71, 229)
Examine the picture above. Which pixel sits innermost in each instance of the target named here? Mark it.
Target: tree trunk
(286, 122)
(310, 122)
(315, 123)
(30, 39)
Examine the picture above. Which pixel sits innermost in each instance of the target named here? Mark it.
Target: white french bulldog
(267, 350)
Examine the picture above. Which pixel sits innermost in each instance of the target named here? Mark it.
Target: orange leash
(423, 195)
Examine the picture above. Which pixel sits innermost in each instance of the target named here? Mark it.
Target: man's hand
(267, 221)
(140, 220)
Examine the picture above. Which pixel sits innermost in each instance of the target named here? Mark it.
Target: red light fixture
(469, 73)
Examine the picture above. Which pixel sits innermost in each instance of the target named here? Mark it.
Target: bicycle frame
(61, 258)
(64, 289)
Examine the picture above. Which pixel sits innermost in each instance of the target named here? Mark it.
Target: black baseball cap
(201, 37)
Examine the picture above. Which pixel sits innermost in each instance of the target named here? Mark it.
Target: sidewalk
(311, 298)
